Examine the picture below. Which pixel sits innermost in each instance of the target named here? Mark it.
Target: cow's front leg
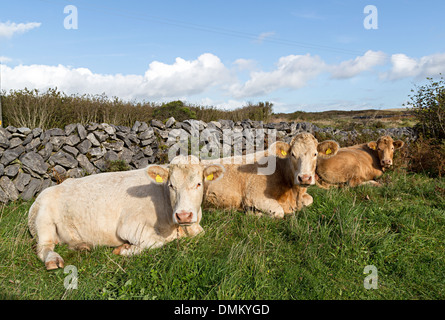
(269, 206)
(127, 249)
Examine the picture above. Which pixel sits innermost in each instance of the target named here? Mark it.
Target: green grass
(317, 253)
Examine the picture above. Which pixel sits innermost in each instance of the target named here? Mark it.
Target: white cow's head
(302, 152)
(185, 178)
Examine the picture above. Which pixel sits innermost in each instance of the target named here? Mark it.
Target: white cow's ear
(327, 149)
(398, 144)
(280, 149)
(213, 172)
(157, 174)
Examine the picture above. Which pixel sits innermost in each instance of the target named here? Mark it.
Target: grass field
(317, 253)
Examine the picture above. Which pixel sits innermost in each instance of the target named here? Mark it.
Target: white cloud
(292, 72)
(8, 29)
(404, 66)
(353, 67)
(159, 81)
(4, 59)
(264, 36)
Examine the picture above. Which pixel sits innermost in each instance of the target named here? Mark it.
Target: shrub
(428, 105)
(175, 109)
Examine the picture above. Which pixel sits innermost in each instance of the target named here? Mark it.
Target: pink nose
(305, 179)
(184, 217)
(386, 162)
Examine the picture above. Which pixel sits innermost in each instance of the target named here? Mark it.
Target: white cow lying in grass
(131, 210)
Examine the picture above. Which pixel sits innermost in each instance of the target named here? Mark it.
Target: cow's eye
(198, 185)
(315, 154)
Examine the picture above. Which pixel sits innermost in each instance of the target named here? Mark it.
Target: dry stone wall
(33, 159)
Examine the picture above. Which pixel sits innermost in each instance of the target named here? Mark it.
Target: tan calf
(281, 191)
(359, 164)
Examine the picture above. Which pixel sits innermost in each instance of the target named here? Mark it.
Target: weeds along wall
(34, 159)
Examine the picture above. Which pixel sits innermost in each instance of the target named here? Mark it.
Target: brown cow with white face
(280, 191)
(359, 164)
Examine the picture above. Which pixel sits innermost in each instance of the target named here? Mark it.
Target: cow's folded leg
(270, 206)
(307, 199)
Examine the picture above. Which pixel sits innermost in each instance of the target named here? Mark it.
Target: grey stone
(75, 173)
(101, 135)
(86, 164)
(84, 146)
(101, 164)
(33, 144)
(12, 170)
(111, 156)
(3, 196)
(59, 170)
(170, 122)
(24, 130)
(56, 132)
(31, 189)
(97, 152)
(57, 142)
(71, 150)
(81, 131)
(69, 129)
(34, 161)
(11, 154)
(4, 138)
(46, 151)
(142, 127)
(36, 132)
(64, 159)
(157, 124)
(91, 126)
(147, 151)
(146, 134)
(108, 128)
(9, 188)
(11, 129)
(27, 139)
(93, 140)
(21, 181)
(116, 145)
(126, 155)
(72, 140)
(123, 129)
(2, 169)
(14, 142)
(135, 126)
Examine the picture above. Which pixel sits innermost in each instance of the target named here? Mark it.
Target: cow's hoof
(54, 262)
(118, 250)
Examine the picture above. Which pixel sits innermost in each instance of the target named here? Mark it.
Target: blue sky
(300, 55)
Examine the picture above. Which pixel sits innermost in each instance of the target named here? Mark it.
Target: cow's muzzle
(184, 217)
(305, 179)
(386, 163)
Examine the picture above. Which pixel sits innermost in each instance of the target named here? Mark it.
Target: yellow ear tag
(210, 177)
(284, 153)
(328, 151)
(159, 179)
(373, 148)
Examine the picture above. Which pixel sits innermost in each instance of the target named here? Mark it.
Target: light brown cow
(359, 164)
(131, 210)
(280, 192)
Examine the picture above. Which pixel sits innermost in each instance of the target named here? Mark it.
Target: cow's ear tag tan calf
(372, 145)
(213, 172)
(280, 149)
(157, 174)
(327, 149)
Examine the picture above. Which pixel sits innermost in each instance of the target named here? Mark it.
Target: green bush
(175, 109)
(428, 105)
